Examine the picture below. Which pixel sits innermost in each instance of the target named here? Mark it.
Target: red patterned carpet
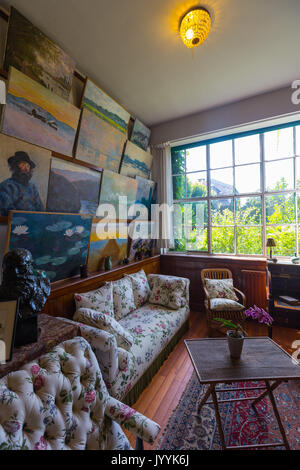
(241, 424)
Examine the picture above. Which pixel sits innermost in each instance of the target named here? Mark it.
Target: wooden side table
(262, 360)
(51, 331)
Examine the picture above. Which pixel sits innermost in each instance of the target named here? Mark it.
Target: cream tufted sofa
(60, 402)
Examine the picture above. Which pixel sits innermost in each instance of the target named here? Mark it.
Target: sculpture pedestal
(26, 331)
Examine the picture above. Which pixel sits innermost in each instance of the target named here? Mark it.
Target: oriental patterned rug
(241, 424)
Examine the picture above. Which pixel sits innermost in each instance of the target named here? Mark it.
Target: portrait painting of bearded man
(24, 175)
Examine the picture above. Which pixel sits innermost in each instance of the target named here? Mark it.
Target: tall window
(231, 195)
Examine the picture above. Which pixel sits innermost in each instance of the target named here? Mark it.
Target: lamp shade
(271, 242)
(194, 27)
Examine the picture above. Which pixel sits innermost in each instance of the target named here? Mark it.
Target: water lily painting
(35, 114)
(104, 107)
(140, 135)
(136, 162)
(58, 242)
(105, 241)
(29, 50)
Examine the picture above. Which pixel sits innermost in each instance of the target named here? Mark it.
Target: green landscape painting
(29, 50)
(140, 135)
(113, 186)
(57, 242)
(99, 143)
(104, 107)
(136, 162)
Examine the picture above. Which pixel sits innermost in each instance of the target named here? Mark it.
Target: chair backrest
(215, 273)
(56, 402)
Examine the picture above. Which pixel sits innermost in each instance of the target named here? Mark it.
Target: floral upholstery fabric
(140, 286)
(168, 290)
(106, 323)
(221, 289)
(224, 305)
(124, 358)
(100, 299)
(123, 298)
(151, 327)
(60, 402)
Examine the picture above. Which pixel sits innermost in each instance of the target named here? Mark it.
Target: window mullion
(263, 189)
(209, 241)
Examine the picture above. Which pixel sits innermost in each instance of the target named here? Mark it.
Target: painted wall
(260, 107)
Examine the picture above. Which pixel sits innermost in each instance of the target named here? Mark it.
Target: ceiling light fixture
(194, 27)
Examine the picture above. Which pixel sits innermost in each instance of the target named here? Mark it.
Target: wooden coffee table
(262, 360)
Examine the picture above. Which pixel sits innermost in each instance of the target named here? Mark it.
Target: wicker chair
(237, 315)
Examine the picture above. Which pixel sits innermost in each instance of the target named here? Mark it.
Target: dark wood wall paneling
(61, 301)
(249, 275)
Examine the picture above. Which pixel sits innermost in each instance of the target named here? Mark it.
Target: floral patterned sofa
(152, 331)
(60, 402)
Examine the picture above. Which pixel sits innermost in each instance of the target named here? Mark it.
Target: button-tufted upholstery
(60, 402)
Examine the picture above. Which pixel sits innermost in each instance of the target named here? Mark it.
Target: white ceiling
(132, 49)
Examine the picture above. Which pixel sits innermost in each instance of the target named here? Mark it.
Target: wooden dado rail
(249, 275)
(61, 301)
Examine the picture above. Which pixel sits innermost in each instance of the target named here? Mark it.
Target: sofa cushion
(100, 300)
(167, 291)
(152, 327)
(225, 305)
(123, 297)
(107, 323)
(220, 288)
(140, 287)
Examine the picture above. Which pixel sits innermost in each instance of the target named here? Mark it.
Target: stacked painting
(136, 161)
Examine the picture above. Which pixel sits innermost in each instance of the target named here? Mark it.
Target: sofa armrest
(105, 348)
(131, 420)
(186, 293)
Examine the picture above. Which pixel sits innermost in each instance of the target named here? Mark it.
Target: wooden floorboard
(162, 395)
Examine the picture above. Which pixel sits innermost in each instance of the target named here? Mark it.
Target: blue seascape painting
(136, 162)
(57, 242)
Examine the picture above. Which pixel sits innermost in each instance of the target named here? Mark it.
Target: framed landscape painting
(104, 107)
(73, 188)
(36, 115)
(113, 186)
(140, 135)
(140, 241)
(24, 175)
(58, 242)
(136, 162)
(145, 192)
(99, 143)
(104, 242)
(29, 50)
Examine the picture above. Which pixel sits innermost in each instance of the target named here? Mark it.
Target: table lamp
(271, 244)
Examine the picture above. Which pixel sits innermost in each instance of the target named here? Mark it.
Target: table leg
(218, 417)
(276, 412)
(205, 397)
(262, 395)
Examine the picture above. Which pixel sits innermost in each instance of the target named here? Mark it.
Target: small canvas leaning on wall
(140, 135)
(58, 242)
(36, 115)
(29, 50)
(73, 188)
(99, 143)
(136, 162)
(104, 107)
(24, 175)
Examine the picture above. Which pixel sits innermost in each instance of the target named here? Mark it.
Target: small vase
(107, 263)
(235, 345)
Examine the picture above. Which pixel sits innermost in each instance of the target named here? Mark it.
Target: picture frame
(8, 322)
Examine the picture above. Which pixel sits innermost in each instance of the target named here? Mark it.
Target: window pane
(178, 162)
(195, 214)
(221, 182)
(280, 209)
(280, 175)
(249, 240)
(285, 239)
(178, 187)
(222, 212)
(196, 184)
(248, 211)
(279, 144)
(222, 239)
(247, 149)
(196, 159)
(196, 239)
(221, 154)
(247, 179)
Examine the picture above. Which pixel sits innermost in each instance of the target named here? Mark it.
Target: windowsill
(214, 256)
